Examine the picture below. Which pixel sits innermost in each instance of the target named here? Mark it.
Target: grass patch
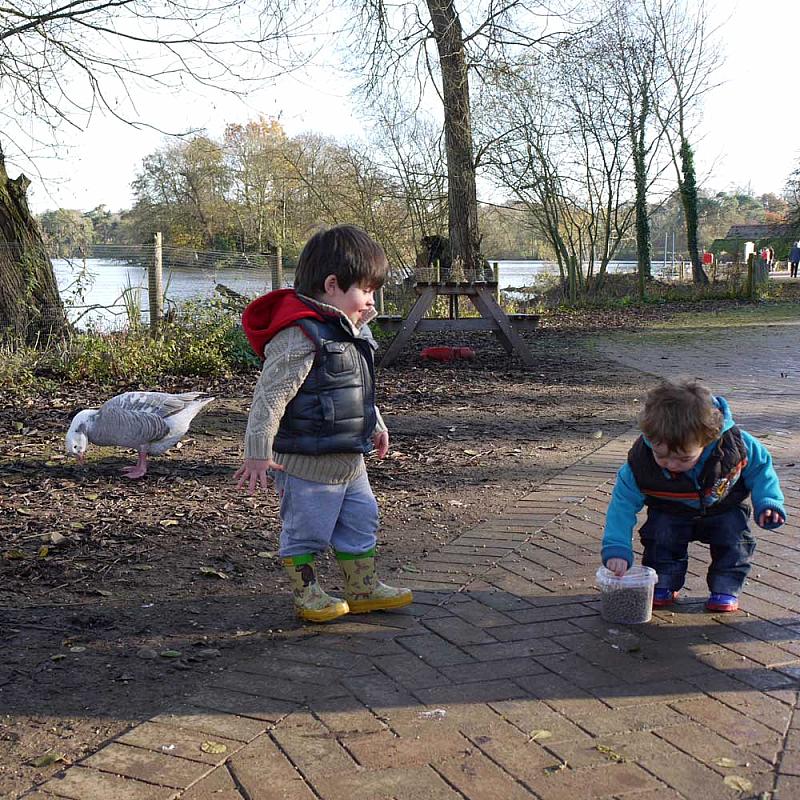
(733, 317)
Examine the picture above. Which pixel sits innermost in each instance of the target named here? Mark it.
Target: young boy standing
(313, 418)
(694, 470)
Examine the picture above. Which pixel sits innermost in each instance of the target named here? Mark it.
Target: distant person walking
(794, 258)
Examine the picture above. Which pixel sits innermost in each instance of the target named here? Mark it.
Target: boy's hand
(254, 472)
(619, 566)
(381, 442)
(770, 517)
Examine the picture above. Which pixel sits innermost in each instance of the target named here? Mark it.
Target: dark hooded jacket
(334, 409)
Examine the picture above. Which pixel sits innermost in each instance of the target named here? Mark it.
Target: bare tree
(397, 43)
(342, 183)
(631, 50)
(410, 148)
(684, 42)
(530, 158)
(563, 149)
(602, 154)
(62, 62)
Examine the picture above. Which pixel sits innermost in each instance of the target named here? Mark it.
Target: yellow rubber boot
(363, 590)
(311, 602)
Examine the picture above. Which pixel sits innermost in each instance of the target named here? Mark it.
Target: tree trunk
(688, 189)
(30, 305)
(461, 191)
(640, 182)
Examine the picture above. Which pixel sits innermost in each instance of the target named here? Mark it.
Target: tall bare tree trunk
(643, 249)
(30, 305)
(461, 192)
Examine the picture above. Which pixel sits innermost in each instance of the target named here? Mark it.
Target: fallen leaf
(539, 735)
(555, 768)
(92, 496)
(14, 555)
(738, 783)
(47, 759)
(170, 654)
(471, 452)
(409, 568)
(436, 713)
(215, 748)
(725, 762)
(266, 554)
(609, 753)
(167, 523)
(26, 512)
(43, 551)
(213, 572)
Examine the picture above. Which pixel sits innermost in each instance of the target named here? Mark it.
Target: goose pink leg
(139, 469)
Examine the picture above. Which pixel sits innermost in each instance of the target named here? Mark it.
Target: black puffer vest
(721, 488)
(334, 410)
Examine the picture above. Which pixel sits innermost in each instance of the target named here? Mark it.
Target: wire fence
(111, 287)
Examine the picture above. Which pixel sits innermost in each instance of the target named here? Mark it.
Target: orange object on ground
(445, 354)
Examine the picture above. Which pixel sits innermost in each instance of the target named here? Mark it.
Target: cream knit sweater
(288, 359)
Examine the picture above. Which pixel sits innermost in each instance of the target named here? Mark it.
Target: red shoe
(722, 602)
(663, 598)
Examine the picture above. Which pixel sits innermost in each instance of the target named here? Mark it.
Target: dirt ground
(117, 597)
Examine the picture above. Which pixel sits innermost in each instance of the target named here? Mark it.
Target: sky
(749, 136)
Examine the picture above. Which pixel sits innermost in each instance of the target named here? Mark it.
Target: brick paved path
(502, 681)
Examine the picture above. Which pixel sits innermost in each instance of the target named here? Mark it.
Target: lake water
(103, 282)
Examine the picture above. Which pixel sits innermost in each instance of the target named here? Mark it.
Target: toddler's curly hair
(680, 414)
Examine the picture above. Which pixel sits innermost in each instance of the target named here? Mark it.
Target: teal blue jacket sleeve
(626, 503)
(761, 479)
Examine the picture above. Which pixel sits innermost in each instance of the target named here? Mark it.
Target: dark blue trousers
(665, 538)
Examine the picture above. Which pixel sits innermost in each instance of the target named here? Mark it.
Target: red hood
(271, 313)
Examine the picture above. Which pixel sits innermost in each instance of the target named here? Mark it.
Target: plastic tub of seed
(627, 600)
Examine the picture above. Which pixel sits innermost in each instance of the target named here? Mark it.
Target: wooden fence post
(751, 277)
(155, 287)
(277, 269)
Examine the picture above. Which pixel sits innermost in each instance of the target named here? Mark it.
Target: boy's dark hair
(679, 414)
(344, 251)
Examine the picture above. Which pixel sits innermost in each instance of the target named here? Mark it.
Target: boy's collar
(330, 310)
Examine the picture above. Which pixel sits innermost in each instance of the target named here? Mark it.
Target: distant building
(779, 236)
